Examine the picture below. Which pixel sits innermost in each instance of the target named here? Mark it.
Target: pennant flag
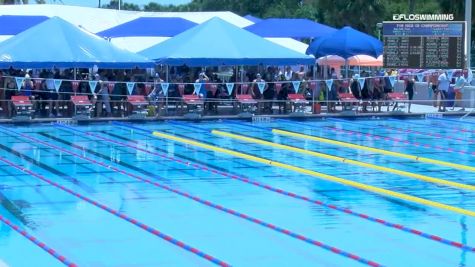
(361, 82)
(181, 89)
(296, 85)
(278, 87)
(19, 82)
(148, 88)
(230, 87)
(57, 84)
(261, 86)
(329, 84)
(197, 88)
(214, 88)
(37, 83)
(130, 87)
(165, 88)
(392, 80)
(450, 74)
(313, 85)
(92, 85)
(244, 88)
(110, 86)
(75, 85)
(420, 77)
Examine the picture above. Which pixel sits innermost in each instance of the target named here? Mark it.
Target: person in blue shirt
(203, 79)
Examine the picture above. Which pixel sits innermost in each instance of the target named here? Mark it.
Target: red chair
(22, 105)
(194, 104)
(348, 100)
(246, 103)
(395, 99)
(298, 102)
(82, 105)
(139, 105)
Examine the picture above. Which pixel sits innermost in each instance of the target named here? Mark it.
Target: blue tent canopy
(346, 42)
(12, 25)
(217, 42)
(292, 28)
(252, 18)
(58, 43)
(149, 26)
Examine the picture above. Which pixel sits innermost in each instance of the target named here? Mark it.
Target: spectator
(443, 87)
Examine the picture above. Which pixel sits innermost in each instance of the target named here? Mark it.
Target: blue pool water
(89, 235)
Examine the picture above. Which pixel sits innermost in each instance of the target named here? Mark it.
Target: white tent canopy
(99, 19)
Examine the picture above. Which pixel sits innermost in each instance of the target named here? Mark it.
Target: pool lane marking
(323, 176)
(345, 160)
(221, 208)
(415, 132)
(452, 120)
(283, 192)
(120, 215)
(372, 149)
(37, 242)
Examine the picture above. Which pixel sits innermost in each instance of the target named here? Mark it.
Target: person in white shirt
(459, 84)
(443, 87)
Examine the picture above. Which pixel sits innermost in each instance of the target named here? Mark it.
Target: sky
(93, 3)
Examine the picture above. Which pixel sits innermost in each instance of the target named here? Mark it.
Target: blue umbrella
(346, 42)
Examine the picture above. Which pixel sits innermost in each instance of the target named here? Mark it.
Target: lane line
(372, 149)
(283, 192)
(345, 160)
(215, 206)
(327, 177)
(37, 242)
(120, 215)
(452, 120)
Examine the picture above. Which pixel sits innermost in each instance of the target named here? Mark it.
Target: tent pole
(346, 68)
(75, 71)
(166, 96)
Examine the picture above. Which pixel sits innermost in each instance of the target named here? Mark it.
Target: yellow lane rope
(327, 177)
(377, 150)
(346, 160)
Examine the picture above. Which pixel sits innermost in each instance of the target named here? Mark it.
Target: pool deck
(417, 111)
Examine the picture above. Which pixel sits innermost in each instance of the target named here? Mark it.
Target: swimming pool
(130, 195)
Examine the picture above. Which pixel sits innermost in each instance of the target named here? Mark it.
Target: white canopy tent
(99, 19)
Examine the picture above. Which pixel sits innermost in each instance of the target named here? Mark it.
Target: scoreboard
(424, 45)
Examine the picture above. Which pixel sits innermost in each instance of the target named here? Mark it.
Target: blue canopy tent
(292, 28)
(149, 26)
(12, 25)
(252, 18)
(58, 43)
(346, 42)
(217, 42)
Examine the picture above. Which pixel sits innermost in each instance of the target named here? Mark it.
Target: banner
(92, 85)
(329, 84)
(361, 82)
(165, 88)
(148, 88)
(57, 84)
(261, 86)
(19, 82)
(392, 80)
(130, 87)
(296, 85)
(420, 77)
(197, 87)
(230, 87)
(75, 85)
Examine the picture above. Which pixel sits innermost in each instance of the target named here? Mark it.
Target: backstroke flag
(230, 87)
(165, 88)
(450, 74)
(197, 88)
(57, 84)
(392, 80)
(420, 77)
(296, 85)
(261, 86)
(92, 85)
(361, 82)
(19, 82)
(329, 84)
(130, 87)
